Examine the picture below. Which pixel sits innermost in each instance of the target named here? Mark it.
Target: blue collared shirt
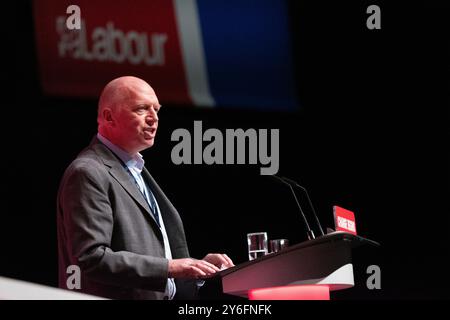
(135, 164)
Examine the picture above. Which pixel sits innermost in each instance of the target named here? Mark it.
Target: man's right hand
(191, 268)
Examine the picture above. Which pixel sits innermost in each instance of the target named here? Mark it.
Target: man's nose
(152, 116)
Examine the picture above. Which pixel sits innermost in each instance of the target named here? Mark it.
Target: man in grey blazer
(114, 222)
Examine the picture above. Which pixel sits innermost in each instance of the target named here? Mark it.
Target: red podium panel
(299, 292)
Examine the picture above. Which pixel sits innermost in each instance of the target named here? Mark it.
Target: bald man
(114, 222)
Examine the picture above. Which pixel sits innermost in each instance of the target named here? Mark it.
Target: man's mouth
(150, 132)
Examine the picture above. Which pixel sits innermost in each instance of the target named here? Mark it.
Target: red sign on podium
(344, 220)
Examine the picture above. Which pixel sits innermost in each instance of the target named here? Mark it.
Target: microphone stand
(309, 232)
(309, 200)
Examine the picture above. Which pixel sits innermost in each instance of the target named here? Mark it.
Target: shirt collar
(135, 161)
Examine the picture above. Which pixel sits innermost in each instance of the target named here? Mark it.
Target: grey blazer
(105, 227)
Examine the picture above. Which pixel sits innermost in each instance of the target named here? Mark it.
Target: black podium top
(354, 241)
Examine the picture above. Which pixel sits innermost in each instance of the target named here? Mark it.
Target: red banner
(116, 38)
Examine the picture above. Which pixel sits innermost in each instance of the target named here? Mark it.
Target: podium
(308, 270)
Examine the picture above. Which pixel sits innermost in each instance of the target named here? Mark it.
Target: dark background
(371, 135)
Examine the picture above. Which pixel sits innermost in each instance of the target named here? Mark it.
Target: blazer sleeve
(88, 224)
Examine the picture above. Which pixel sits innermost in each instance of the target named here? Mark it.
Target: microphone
(292, 182)
(309, 232)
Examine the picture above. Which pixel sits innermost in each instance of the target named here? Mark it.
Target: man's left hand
(220, 260)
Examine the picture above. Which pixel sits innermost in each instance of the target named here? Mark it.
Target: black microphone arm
(292, 182)
(310, 233)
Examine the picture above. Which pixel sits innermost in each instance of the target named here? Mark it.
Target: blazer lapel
(119, 173)
(126, 181)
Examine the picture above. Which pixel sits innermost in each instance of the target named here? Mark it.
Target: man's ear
(107, 115)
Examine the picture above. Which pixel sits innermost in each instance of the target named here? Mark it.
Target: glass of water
(257, 245)
(278, 245)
